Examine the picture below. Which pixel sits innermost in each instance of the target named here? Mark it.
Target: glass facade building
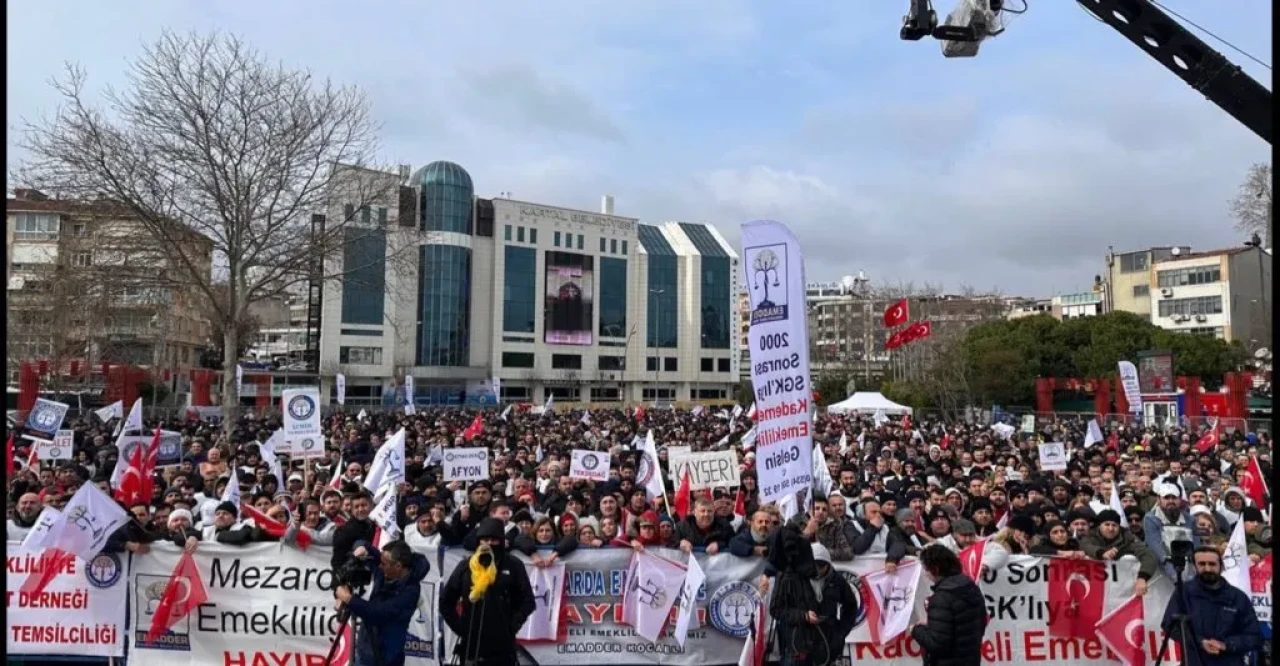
(715, 308)
(613, 297)
(364, 278)
(663, 297)
(444, 270)
(519, 289)
(444, 305)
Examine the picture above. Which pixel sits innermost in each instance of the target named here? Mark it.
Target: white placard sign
(678, 450)
(1132, 387)
(466, 464)
(1053, 456)
(711, 469)
(60, 448)
(301, 409)
(778, 342)
(589, 465)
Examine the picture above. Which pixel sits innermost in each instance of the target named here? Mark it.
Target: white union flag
(548, 588)
(653, 585)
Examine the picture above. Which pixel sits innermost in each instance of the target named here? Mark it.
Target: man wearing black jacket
(487, 627)
(957, 613)
(469, 515)
(358, 528)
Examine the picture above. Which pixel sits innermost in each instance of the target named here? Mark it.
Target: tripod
(344, 617)
(1190, 643)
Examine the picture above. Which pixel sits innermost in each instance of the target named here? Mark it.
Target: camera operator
(1221, 618)
(358, 528)
(496, 599)
(384, 617)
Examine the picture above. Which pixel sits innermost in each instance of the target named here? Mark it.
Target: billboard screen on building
(1155, 372)
(570, 295)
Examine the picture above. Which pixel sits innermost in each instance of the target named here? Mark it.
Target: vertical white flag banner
(113, 411)
(239, 380)
(778, 342)
(301, 409)
(1114, 504)
(649, 470)
(686, 618)
(232, 492)
(892, 601)
(1235, 561)
(383, 513)
(340, 385)
(548, 593)
(410, 407)
(388, 463)
(1132, 389)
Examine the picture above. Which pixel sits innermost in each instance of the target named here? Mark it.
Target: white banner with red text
(79, 614)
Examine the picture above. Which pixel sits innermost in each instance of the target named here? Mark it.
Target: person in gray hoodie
(1166, 522)
(1230, 507)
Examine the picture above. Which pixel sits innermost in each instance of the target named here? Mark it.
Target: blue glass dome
(446, 198)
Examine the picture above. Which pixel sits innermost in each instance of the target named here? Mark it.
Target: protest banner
(778, 341)
(589, 465)
(301, 408)
(1053, 456)
(712, 469)
(60, 448)
(466, 464)
(79, 614)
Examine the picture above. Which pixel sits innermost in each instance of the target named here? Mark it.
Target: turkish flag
(1254, 483)
(755, 648)
(971, 560)
(1210, 439)
(894, 341)
(1076, 592)
(476, 427)
(182, 595)
(639, 413)
(131, 482)
(683, 495)
(740, 503)
(917, 331)
(272, 526)
(897, 314)
(1123, 631)
(149, 467)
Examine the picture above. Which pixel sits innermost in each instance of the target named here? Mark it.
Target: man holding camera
(1221, 618)
(385, 615)
(496, 599)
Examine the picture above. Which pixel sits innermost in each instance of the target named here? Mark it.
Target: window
(361, 331)
(1212, 331)
(520, 234)
(79, 229)
(382, 215)
(366, 215)
(533, 235)
(602, 246)
(1134, 262)
(651, 364)
(716, 302)
(708, 365)
(606, 394)
(348, 212)
(1140, 290)
(82, 259)
(582, 240)
(35, 224)
(360, 355)
(613, 297)
(444, 306)
(517, 359)
(1200, 305)
(510, 393)
(709, 394)
(566, 361)
(1181, 277)
(506, 233)
(555, 240)
(563, 393)
(722, 365)
(624, 247)
(364, 279)
(658, 394)
(613, 245)
(669, 364)
(612, 362)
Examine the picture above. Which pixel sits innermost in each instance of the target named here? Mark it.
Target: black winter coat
(957, 620)
(488, 628)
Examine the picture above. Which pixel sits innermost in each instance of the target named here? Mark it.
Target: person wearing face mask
(487, 599)
(956, 619)
(833, 615)
(1221, 617)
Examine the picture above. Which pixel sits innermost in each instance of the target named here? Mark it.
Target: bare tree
(1251, 206)
(212, 138)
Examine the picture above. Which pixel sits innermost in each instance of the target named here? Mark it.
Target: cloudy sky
(1014, 170)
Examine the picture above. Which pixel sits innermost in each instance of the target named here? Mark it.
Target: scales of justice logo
(767, 278)
(301, 407)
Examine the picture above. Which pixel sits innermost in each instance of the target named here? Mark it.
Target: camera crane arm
(1152, 30)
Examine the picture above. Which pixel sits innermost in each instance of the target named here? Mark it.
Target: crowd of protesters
(897, 487)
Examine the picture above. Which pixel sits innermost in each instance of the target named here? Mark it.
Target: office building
(1223, 293)
(1073, 306)
(1126, 284)
(535, 300)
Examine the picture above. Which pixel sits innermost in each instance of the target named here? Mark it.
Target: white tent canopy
(868, 402)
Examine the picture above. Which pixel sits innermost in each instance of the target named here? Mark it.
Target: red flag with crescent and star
(182, 595)
(1123, 631)
(1076, 593)
(971, 560)
(897, 314)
